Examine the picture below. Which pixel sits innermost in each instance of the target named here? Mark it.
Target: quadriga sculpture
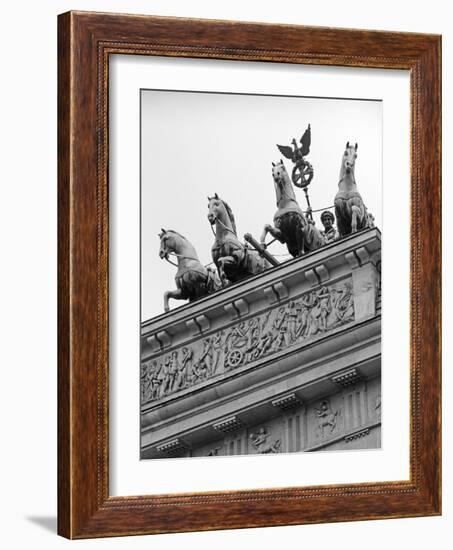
(350, 209)
(234, 260)
(290, 225)
(193, 280)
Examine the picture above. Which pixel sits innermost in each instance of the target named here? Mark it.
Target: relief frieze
(306, 317)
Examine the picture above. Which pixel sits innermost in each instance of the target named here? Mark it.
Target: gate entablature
(294, 304)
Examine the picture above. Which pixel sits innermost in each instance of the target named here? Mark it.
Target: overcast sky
(198, 144)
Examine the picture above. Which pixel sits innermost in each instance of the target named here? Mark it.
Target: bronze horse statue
(234, 260)
(350, 209)
(193, 279)
(290, 225)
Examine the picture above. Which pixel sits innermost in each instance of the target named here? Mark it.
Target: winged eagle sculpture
(303, 171)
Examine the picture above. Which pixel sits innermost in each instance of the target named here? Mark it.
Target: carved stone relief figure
(217, 350)
(167, 376)
(145, 385)
(306, 302)
(156, 379)
(327, 418)
(291, 315)
(254, 341)
(280, 327)
(343, 305)
(183, 370)
(206, 361)
(323, 307)
(259, 442)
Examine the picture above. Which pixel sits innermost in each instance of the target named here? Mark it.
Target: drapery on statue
(193, 280)
(350, 209)
(303, 171)
(290, 225)
(234, 260)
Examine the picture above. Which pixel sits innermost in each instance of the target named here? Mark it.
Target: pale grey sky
(198, 144)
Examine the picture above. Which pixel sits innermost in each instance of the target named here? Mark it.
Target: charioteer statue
(330, 233)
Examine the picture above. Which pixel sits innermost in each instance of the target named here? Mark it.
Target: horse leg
(213, 282)
(222, 276)
(355, 216)
(276, 233)
(175, 294)
(221, 262)
(308, 238)
(363, 220)
(341, 216)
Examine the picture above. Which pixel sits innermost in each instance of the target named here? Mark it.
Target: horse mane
(286, 174)
(230, 215)
(176, 233)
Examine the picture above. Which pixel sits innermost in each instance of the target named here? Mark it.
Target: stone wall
(349, 419)
(286, 361)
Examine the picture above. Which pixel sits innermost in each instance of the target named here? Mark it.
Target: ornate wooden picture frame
(85, 42)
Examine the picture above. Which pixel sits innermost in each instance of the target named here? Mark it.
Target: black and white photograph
(225, 288)
(261, 224)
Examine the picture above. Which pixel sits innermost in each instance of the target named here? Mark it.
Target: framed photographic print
(249, 275)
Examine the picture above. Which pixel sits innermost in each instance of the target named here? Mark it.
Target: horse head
(280, 175)
(219, 210)
(348, 160)
(170, 241)
(283, 186)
